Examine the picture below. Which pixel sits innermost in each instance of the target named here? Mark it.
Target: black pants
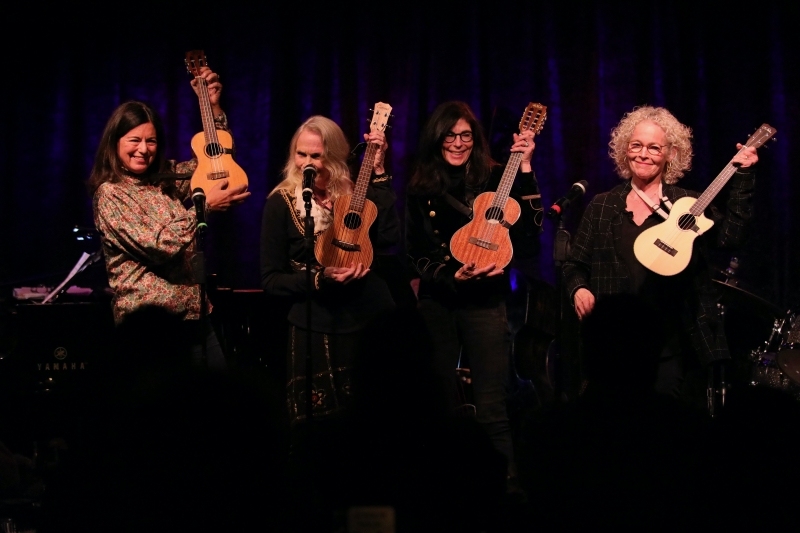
(482, 335)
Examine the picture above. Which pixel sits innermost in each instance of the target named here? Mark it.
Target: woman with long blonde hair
(343, 299)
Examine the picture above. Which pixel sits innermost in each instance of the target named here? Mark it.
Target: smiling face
(137, 148)
(310, 150)
(645, 166)
(457, 152)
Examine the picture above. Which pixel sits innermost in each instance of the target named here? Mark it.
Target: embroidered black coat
(431, 221)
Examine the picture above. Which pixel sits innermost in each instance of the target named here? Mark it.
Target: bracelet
(378, 178)
(319, 278)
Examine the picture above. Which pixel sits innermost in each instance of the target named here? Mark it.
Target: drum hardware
(776, 363)
(788, 356)
(767, 372)
(733, 295)
(717, 388)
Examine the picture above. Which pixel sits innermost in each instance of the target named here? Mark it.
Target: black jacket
(593, 262)
(431, 221)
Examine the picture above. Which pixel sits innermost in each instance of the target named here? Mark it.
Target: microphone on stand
(309, 175)
(199, 200)
(577, 190)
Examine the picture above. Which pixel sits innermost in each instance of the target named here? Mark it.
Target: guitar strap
(656, 208)
(458, 206)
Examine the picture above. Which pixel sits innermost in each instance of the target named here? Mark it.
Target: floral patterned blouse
(148, 242)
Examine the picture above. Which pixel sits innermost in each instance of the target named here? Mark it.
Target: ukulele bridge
(667, 248)
(346, 246)
(218, 175)
(484, 244)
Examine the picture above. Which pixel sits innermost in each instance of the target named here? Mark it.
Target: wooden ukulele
(667, 248)
(212, 147)
(484, 240)
(346, 241)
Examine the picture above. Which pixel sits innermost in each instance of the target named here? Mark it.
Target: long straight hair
(334, 158)
(107, 164)
(430, 175)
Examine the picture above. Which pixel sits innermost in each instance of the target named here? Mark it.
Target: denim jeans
(482, 335)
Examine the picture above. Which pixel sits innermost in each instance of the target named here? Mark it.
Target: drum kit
(775, 362)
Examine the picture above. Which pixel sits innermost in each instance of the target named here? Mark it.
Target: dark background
(723, 72)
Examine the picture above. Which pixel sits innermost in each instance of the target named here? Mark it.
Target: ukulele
(346, 241)
(484, 240)
(667, 248)
(212, 147)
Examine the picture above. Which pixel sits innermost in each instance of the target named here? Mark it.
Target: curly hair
(678, 136)
(107, 164)
(430, 175)
(334, 158)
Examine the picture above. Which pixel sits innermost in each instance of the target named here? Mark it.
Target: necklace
(326, 203)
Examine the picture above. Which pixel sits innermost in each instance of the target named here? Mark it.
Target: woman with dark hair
(147, 233)
(651, 150)
(463, 305)
(343, 299)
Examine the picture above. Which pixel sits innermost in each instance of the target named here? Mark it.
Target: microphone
(199, 200)
(577, 190)
(309, 175)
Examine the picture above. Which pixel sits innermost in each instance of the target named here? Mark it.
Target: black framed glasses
(466, 137)
(652, 149)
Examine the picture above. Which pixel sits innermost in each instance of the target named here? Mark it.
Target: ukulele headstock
(762, 135)
(380, 117)
(533, 118)
(195, 60)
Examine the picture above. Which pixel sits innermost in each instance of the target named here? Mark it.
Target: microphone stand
(309, 242)
(199, 270)
(560, 254)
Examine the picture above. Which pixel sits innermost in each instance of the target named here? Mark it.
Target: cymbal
(737, 297)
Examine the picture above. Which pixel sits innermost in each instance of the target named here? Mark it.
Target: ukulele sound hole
(214, 150)
(686, 221)
(494, 214)
(352, 221)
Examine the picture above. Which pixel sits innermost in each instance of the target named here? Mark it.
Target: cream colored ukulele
(212, 147)
(346, 241)
(484, 240)
(667, 248)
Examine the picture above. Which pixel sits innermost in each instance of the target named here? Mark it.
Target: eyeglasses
(652, 149)
(466, 137)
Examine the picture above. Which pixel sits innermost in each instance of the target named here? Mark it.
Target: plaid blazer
(593, 262)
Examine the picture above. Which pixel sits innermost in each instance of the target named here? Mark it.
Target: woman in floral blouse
(147, 232)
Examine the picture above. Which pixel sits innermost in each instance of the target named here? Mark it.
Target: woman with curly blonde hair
(652, 150)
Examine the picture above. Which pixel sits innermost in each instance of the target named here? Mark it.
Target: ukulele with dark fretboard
(484, 240)
(346, 241)
(212, 147)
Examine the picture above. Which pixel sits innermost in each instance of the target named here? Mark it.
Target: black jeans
(482, 334)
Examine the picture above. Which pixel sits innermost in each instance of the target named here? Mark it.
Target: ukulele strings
(208, 119)
(496, 211)
(719, 182)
